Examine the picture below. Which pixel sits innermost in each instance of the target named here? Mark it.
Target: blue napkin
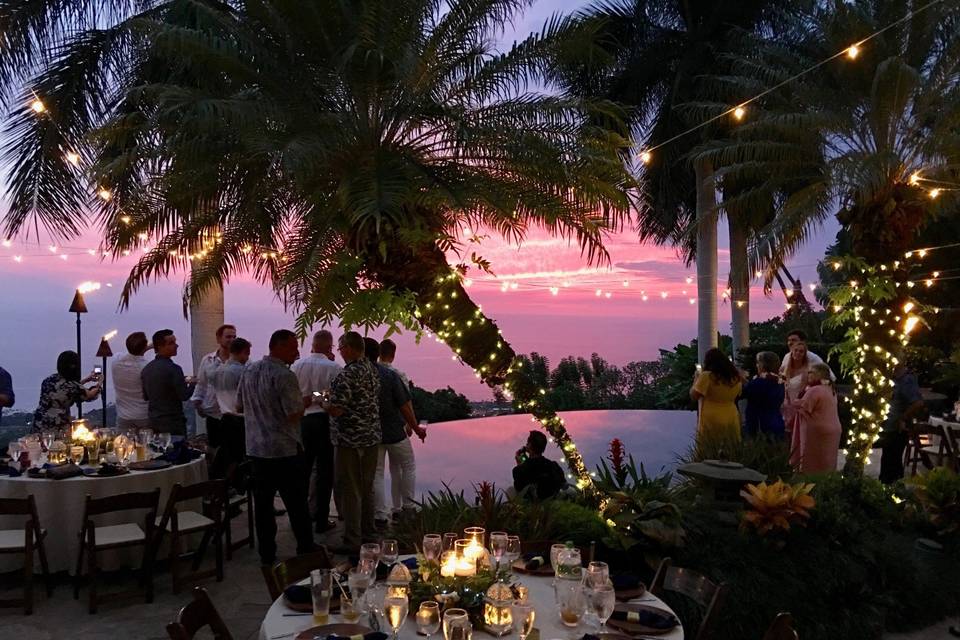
(410, 563)
(298, 594)
(647, 618)
(181, 453)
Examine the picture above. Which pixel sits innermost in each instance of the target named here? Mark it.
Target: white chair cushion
(118, 534)
(14, 539)
(240, 497)
(188, 521)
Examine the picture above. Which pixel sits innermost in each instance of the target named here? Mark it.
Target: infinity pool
(464, 452)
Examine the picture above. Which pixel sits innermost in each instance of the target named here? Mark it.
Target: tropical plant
(776, 506)
(939, 493)
(333, 149)
(651, 56)
(882, 122)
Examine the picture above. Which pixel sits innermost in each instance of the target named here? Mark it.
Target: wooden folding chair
(781, 628)
(94, 539)
(179, 523)
(25, 541)
(198, 614)
(287, 572)
(918, 441)
(240, 477)
(695, 586)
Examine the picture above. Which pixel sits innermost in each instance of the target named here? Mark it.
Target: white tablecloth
(276, 626)
(60, 510)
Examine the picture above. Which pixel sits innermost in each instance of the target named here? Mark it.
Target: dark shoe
(321, 527)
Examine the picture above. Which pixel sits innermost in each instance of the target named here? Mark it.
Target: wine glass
(602, 600)
(13, 450)
(47, 437)
(395, 611)
(449, 540)
(389, 552)
(358, 580)
(498, 546)
(514, 550)
(523, 616)
(597, 573)
(456, 625)
(428, 618)
(432, 546)
(371, 552)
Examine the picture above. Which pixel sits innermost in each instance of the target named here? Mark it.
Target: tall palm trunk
(739, 283)
(444, 307)
(706, 258)
(206, 315)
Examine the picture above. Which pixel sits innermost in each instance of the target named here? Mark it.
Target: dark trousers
(315, 433)
(214, 431)
(891, 460)
(234, 437)
(283, 475)
(356, 468)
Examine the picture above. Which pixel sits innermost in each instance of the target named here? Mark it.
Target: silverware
(283, 635)
(293, 615)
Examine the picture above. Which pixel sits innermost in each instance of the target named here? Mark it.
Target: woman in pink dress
(816, 438)
(794, 376)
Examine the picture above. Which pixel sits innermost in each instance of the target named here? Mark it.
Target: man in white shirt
(226, 381)
(794, 337)
(315, 374)
(127, 385)
(204, 397)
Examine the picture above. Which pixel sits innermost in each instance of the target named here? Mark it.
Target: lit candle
(466, 567)
(448, 564)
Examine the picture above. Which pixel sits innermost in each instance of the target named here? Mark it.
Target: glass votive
(428, 618)
(476, 534)
(76, 453)
(460, 547)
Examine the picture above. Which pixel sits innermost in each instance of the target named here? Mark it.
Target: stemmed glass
(358, 581)
(432, 546)
(395, 610)
(523, 616)
(389, 552)
(13, 449)
(498, 546)
(513, 549)
(428, 618)
(456, 625)
(449, 540)
(602, 600)
(371, 552)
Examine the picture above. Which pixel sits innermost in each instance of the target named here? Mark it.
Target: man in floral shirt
(355, 432)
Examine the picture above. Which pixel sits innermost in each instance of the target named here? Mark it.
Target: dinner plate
(543, 570)
(344, 630)
(636, 627)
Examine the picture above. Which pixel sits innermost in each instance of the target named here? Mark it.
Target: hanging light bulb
(738, 113)
(646, 157)
(105, 194)
(934, 194)
(853, 51)
(73, 158)
(38, 106)
(914, 178)
(910, 324)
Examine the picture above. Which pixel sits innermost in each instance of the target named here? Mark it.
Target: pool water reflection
(464, 452)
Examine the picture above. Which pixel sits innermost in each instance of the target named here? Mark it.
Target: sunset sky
(35, 325)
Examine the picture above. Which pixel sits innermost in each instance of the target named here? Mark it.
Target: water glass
(432, 546)
(602, 600)
(358, 580)
(449, 540)
(498, 546)
(555, 553)
(371, 552)
(570, 602)
(428, 618)
(47, 438)
(349, 609)
(389, 552)
(321, 588)
(76, 453)
(597, 573)
(514, 551)
(523, 617)
(395, 610)
(456, 625)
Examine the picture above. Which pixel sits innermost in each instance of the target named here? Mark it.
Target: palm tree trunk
(444, 307)
(206, 315)
(739, 284)
(706, 258)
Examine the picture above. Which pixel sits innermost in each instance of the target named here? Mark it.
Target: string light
(73, 158)
(934, 193)
(105, 194)
(738, 113)
(38, 106)
(853, 51)
(646, 157)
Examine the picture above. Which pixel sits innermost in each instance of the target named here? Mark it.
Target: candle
(448, 564)
(466, 567)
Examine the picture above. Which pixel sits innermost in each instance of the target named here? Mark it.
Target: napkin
(534, 561)
(7, 470)
(410, 563)
(647, 618)
(298, 594)
(625, 581)
(63, 471)
(373, 635)
(180, 453)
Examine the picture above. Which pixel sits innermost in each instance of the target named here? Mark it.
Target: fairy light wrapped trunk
(879, 311)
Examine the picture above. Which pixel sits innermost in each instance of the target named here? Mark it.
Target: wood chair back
(914, 453)
(287, 572)
(198, 614)
(148, 500)
(696, 586)
(781, 628)
(211, 492)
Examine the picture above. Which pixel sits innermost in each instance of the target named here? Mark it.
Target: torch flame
(87, 287)
(110, 335)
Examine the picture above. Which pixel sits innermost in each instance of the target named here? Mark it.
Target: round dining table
(60, 505)
(282, 623)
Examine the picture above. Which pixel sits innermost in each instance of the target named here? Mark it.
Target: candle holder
(497, 609)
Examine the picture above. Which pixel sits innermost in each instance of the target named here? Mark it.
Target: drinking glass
(321, 588)
(395, 610)
(165, 439)
(371, 551)
(554, 553)
(475, 533)
(456, 625)
(597, 573)
(514, 550)
(76, 453)
(498, 546)
(570, 602)
(47, 437)
(358, 579)
(13, 450)
(389, 552)
(449, 539)
(428, 618)
(93, 451)
(523, 617)
(349, 609)
(602, 600)
(432, 546)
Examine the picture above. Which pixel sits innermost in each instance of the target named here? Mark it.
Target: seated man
(544, 477)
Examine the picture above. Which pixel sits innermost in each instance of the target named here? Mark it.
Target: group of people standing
(793, 399)
(310, 427)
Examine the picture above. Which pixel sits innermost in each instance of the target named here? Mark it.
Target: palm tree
(651, 55)
(336, 150)
(881, 123)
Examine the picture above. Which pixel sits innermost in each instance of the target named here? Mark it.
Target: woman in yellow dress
(718, 386)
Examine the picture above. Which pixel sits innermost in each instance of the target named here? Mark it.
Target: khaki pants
(356, 468)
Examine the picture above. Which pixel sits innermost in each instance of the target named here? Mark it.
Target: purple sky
(35, 325)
